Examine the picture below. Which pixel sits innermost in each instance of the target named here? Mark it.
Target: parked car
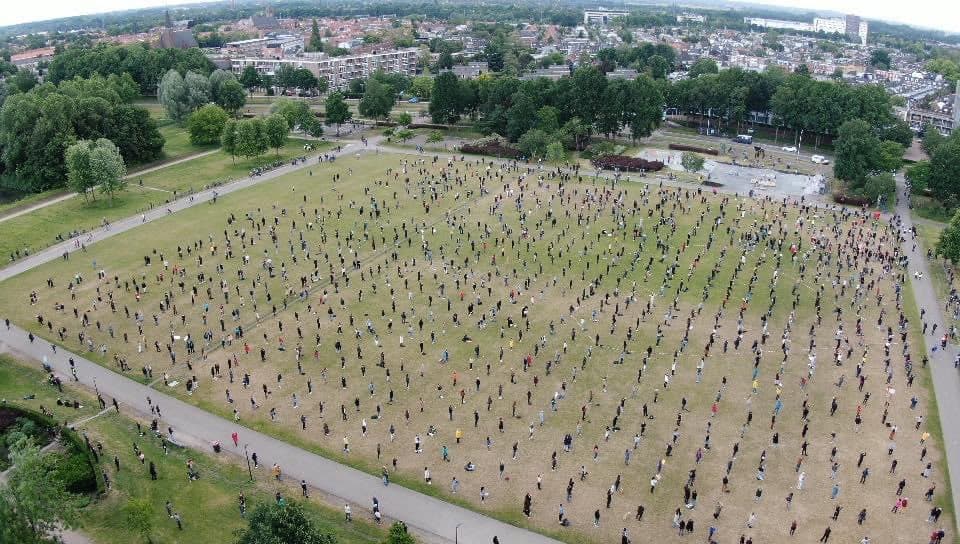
(414, 100)
(789, 149)
(819, 159)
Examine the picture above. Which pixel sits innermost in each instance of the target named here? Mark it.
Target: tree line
(37, 127)
(145, 65)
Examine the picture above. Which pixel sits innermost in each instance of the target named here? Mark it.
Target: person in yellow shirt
(459, 435)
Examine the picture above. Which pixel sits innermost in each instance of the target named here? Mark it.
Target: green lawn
(574, 271)
(39, 229)
(208, 506)
(177, 142)
(215, 168)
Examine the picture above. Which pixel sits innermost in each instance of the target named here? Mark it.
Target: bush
(435, 136)
(627, 164)
(841, 197)
(695, 149)
(492, 149)
(388, 131)
(73, 469)
(599, 149)
(493, 145)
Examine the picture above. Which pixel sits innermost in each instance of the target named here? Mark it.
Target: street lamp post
(249, 470)
(456, 534)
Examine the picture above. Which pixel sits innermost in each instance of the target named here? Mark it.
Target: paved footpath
(56, 251)
(434, 519)
(68, 196)
(946, 379)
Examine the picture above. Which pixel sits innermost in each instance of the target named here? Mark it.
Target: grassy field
(357, 280)
(177, 142)
(208, 506)
(40, 229)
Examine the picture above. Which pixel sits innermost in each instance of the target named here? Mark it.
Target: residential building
(601, 16)
(274, 45)
(945, 121)
(829, 25)
(778, 24)
(338, 71)
(690, 18)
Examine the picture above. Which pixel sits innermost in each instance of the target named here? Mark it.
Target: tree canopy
(271, 523)
(38, 126)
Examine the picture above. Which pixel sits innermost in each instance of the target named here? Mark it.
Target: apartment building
(338, 71)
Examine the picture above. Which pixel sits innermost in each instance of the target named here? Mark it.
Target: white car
(819, 159)
(789, 149)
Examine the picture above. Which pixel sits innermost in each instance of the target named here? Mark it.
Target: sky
(939, 14)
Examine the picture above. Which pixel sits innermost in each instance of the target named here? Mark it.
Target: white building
(338, 71)
(690, 18)
(778, 24)
(862, 30)
(274, 45)
(601, 16)
(830, 25)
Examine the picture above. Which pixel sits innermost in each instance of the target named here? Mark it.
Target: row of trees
(286, 78)
(940, 176)
(252, 137)
(144, 64)
(38, 126)
(865, 161)
(181, 95)
(507, 105)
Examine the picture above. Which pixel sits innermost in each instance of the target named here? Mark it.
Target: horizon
(937, 15)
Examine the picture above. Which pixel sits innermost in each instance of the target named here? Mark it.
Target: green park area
(55, 223)
(133, 508)
(504, 316)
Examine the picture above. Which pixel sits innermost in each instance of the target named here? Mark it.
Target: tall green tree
(270, 523)
(249, 78)
(298, 115)
(206, 125)
(276, 129)
(252, 138)
(198, 90)
(643, 111)
(422, 87)
(943, 178)
(172, 95)
(377, 99)
(891, 156)
(703, 66)
(316, 41)
(445, 101)
(337, 111)
(231, 96)
(80, 174)
(38, 497)
(857, 152)
(228, 139)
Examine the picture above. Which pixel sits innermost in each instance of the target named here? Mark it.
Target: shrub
(625, 163)
(435, 136)
(493, 145)
(695, 149)
(73, 469)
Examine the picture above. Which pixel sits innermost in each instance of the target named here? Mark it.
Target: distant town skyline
(937, 14)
